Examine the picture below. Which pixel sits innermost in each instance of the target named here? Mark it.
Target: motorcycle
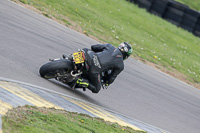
(69, 68)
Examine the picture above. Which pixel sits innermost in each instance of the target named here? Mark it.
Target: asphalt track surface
(28, 40)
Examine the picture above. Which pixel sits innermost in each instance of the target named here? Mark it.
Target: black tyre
(197, 33)
(188, 28)
(197, 28)
(50, 69)
(198, 21)
(145, 3)
(190, 18)
(187, 23)
(158, 7)
(192, 12)
(174, 15)
(133, 1)
(177, 5)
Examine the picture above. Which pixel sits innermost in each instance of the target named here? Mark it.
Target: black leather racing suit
(100, 58)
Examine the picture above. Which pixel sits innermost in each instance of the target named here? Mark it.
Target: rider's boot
(79, 83)
(84, 83)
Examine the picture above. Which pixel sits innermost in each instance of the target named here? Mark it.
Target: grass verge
(33, 119)
(155, 40)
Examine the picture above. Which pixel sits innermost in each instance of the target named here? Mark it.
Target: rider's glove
(106, 83)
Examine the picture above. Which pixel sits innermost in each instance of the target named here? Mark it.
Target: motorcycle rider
(101, 58)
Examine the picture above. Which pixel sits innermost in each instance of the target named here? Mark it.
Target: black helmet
(125, 49)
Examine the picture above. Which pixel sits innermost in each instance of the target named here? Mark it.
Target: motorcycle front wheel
(51, 69)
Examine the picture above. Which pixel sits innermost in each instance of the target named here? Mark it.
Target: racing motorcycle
(69, 68)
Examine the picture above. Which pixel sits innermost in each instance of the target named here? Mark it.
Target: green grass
(194, 4)
(30, 119)
(115, 21)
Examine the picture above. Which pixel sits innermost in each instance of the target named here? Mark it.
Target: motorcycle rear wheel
(50, 70)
